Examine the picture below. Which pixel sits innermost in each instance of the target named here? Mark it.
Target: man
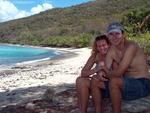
(131, 79)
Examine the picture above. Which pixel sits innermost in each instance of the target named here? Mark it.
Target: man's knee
(115, 82)
(83, 82)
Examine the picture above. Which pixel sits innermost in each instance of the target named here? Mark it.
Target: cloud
(40, 8)
(21, 14)
(8, 11)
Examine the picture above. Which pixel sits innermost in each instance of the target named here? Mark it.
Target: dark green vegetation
(137, 24)
(76, 26)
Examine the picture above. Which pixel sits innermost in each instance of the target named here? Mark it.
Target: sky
(14, 9)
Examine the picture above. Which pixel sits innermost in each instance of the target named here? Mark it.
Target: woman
(99, 51)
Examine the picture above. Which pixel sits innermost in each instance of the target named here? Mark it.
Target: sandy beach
(28, 81)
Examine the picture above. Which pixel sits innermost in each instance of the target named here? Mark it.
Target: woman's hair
(98, 38)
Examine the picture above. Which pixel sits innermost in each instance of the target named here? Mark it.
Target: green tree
(137, 21)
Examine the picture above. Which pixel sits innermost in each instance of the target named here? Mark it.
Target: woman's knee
(80, 81)
(96, 83)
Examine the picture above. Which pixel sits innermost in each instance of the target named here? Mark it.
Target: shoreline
(28, 81)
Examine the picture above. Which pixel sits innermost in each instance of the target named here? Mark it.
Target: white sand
(35, 76)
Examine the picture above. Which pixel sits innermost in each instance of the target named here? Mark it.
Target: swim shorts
(133, 88)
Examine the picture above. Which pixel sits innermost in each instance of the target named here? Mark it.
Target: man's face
(115, 38)
(102, 46)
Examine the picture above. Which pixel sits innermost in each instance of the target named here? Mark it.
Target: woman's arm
(87, 69)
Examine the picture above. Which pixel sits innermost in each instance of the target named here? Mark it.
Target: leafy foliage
(137, 24)
(137, 21)
(83, 40)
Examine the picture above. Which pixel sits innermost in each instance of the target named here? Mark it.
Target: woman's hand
(101, 76)
(104, 68)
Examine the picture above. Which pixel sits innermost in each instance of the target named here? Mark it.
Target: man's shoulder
(132, 44)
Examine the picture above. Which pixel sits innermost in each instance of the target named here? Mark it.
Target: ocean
(12, 54)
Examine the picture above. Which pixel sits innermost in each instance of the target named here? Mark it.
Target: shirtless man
(131, 80)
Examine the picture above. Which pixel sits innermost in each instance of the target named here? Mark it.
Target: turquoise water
(10, 54)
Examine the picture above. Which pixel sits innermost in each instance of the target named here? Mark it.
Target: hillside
(91, 17)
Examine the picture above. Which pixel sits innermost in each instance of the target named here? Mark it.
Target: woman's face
(115, 38)
(102, 46)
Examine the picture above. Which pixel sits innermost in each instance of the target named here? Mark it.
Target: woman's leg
(96, 87)
(83, 92)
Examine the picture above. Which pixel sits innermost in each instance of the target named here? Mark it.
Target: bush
(82, 40)
(137, 21)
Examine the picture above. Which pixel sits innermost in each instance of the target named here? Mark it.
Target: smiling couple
(121, 71)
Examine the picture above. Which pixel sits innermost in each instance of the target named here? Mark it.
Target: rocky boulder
(64, 100)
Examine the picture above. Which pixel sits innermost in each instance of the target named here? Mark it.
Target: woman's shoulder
(92, 57)
(95, 57)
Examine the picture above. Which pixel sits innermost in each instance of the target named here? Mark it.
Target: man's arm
(125, 62)
(109, 59)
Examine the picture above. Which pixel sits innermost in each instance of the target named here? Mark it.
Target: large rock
(68, 98)
(138, 105)
(64, 100)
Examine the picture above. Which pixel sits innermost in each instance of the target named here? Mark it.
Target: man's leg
(115, 86)
(83, 92)
(135, 88)
(96, 87)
